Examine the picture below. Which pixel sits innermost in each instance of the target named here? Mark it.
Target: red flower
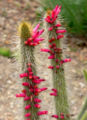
(55, 116)
(34, 39)
(21, 95)
(50, 67)
(51, 19)
(53, 94)
(37, 100)
(42, 113)
(27, 107)
(60, 31)
(27, 114)
(37, 105)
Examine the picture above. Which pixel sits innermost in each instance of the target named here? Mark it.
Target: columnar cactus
(29, 39)
(53, 35)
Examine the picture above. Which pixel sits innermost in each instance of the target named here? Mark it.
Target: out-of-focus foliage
(74, 13)
(85, 74)
(84, 117)
(5, 52)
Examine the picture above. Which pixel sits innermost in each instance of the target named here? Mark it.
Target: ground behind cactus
(11, 13)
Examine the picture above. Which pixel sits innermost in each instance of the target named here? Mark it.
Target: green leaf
(5, 52)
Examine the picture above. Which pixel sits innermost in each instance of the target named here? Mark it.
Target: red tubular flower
(37, 100)
(55, 90)
(42, 113)
(51, 28)
(57, 60)
(28, 119)
(26, 98)
(51, 57)
(66, 60)
(62, 116)
(60, 31)
(55, 116)
(51, 19)
(57, 66)
(52, 39)
(42, 89)
(25, 84)
(27, 114)
(37, 105)
(58, 25)
(60, 36)
(23, 75)
(45, 50)
(53, 94)
(36, 28)
(27, 107)
(21, 95)
(50, 67)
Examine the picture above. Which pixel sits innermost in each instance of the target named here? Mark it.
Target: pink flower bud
(51, 40)
(60, 36)
(58, 25)
(53, 94)
(42, 89)
(25, 84)
(20, 95)
(36, 28)
(45, 50)
(60, 31)
(55, 116)
(27, 114)
(26, 98)
(55, 90)
(57, 66)
(42, 113)
(62, 116)
(23, 75)
(37, 105)
(37, 100)
(50, 67)
(27, 107)
(51, 57)
(50, 28)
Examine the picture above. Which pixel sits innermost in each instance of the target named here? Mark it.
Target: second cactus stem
(53, 35)
(29, 39)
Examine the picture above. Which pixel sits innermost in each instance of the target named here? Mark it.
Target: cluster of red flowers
(34, 39)
(34, 90)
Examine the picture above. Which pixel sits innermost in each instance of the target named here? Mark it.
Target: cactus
(53, 35)
(29, 39)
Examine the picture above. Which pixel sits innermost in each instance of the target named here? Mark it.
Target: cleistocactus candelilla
(29, 39)
(53, 34)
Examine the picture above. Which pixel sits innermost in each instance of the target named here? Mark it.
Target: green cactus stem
(27, 56)
(61, 101)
